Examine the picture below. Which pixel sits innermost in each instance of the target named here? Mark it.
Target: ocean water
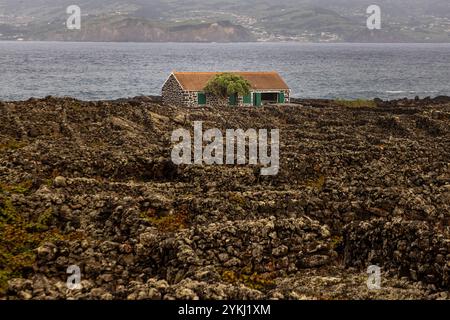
(96, 71)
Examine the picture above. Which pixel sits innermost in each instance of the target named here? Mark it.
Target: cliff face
(136, 30)
(92, 184)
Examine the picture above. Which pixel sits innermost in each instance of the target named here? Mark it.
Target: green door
(281, 98)
(232, 100)
(247, 99)
(201, 99)
(257, 99)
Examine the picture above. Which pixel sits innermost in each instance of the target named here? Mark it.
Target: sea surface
(97, 71)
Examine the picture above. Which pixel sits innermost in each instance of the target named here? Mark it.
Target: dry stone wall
(414, 249)
(279, 246)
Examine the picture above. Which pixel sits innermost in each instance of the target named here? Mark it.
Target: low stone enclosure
(413, 249)
(186, 89)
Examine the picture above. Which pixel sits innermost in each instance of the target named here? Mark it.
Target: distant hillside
(263, 20)
(124, 29)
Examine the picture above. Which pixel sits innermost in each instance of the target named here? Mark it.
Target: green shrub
(227, 84)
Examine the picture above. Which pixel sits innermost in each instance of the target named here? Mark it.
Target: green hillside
(295, 20)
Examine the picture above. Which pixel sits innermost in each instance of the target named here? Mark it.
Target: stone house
(186, 89)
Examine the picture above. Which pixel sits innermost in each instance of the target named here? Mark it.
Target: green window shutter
(232, 100)
(248, 99)
(201, 98)
(257, 99)
(281, 98)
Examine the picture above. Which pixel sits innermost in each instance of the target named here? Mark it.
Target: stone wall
(287, 96)
(261, 246)
(214, 102)
(172, 93)
(190, 99)
(414, 249)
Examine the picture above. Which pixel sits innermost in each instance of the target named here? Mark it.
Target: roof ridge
(193, 72)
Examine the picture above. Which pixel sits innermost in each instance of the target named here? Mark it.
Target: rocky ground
(92, 184)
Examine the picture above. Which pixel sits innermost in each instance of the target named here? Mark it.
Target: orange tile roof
(196, 81)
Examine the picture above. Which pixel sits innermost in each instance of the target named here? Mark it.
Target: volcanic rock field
(92, 184)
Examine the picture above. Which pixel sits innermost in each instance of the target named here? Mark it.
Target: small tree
(227, 84)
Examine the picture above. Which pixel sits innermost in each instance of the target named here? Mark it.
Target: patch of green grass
(252, 280)
(19, 237)
(336, 241)
(317, 184)
(22, 187)
(48, 182)
(8, 212)
(359, 103)
(237, 198)
(42, 223)
(4, 276)
(167, 223)
(12, 145)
